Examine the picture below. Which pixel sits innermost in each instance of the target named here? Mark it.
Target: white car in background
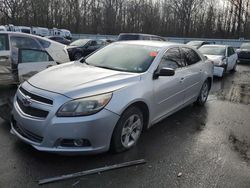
(23, 55)
(224, 58)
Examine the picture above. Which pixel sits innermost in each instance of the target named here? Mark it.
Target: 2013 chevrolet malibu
(105, 101)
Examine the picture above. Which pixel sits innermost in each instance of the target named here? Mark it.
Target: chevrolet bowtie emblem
(26, 101)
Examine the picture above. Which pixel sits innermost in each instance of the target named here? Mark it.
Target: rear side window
(171, 59)
(4, 42)
(44, 43)
(31, 56)
(24, 42)
(128, 37)
(190, 56)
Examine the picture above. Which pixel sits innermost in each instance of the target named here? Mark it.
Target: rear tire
(127, 131)
(234, 68)
(202, 99)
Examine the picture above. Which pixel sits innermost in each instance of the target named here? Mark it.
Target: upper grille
(31, 110)
(244, 54)
(36, 97)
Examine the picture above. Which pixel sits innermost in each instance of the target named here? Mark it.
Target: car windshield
(194, 43)
(124, 57)
(245, 46)
(213, 50)
(80, 42)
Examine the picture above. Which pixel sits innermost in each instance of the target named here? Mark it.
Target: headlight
(84, 106)
(222, 62)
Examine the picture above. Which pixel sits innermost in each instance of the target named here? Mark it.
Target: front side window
(171, 59)
(31, 56)
(24, 42)
(190, 56)
(124, 57)
(4, 43)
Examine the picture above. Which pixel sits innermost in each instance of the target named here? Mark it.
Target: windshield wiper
(104, 67)
(83, 60)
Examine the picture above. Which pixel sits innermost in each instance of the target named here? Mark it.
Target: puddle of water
(238, 93)
(241, 146)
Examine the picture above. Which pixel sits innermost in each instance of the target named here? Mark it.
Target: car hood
(77, 80)
(242, 50)
(214, 57)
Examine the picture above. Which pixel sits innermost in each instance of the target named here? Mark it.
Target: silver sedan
(104, 102)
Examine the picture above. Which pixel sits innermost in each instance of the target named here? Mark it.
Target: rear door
(6, 76)
(32, 61)
(231, 58)
(192, 74)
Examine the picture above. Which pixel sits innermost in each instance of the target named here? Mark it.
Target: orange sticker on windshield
(153, 54)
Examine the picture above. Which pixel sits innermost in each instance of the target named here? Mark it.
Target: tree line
(178, 18)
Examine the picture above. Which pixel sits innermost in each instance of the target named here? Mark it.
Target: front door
(169, 90)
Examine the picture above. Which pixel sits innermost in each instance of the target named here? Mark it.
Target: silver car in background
(105, 101)
(223, 56)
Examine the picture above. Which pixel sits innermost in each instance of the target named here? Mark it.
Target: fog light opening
(78, 142)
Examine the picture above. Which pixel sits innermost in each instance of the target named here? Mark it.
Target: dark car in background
(139, 36)
(197, 44)
(61, 40)
(83, 47)
(244, 53)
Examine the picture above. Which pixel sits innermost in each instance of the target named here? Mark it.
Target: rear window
(213, 50)
(128, 37)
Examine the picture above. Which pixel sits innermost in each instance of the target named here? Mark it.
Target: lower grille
(31, 110)
(27, 134)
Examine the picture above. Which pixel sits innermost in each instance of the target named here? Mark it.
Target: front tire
(127, 131)
(202, 99)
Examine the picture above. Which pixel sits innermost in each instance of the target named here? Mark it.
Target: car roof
(30, 35)
(142, 34)
(197, 41)
(152, 43)
(216, 45)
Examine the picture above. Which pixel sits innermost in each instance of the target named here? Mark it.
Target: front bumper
(218, 71)
(47, 134)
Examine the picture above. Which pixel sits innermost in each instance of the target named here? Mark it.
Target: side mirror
(164, 72)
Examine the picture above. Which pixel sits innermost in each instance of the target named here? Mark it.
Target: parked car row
(40, 31)
(103, 101)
